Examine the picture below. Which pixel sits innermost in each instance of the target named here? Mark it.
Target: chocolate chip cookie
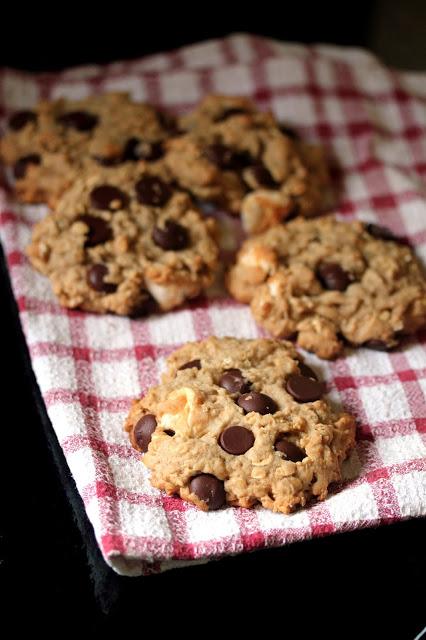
(122, 238)
(328, 281)
(47, 147)
(240, 422)
(240, 159)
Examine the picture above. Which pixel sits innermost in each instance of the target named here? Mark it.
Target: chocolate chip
(236, 440)
(173, 237)
(192, 364)
(79, 120)
(289, 132)
(95, 279)
(263, 177)
(332, 276)
(304, 389)
(169, 432)
(168, 121)
(290, 450)
(143, 430)
(258, 402)
(108, 197)
(20, 119)
(20, 168)
(225, 158)
(381, 233)
(153, 191)
(136, 149)
(209, 489)
(233, 381)
(218, 154)
(99, 230)
(306, 371)
(229, 113)
(377, 345)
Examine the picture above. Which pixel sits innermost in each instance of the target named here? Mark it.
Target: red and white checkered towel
(89, 368)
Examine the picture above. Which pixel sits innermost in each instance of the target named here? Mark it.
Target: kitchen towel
(89, 368)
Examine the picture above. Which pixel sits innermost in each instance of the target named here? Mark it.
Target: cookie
(240, 159)
(48, 146)
(122, 238)
(327, 282)
(240, 422)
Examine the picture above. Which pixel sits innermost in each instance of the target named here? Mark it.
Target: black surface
(73, 36)
(375, 575)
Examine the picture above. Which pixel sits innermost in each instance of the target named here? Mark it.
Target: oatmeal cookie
(240, 422)
(47, 147)
(239, 158)
(324, 280)
(122, 237)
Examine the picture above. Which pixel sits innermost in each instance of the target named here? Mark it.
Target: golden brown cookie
(240, 159)
(240, 422)
(122, 237)
(323, 280)
(47, 147)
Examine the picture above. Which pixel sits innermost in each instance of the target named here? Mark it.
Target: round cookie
(47, 146)
(240, 422)
(239, 158)
(121, 238)
(324, 280)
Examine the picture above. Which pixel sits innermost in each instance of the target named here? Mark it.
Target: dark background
(373, 579)
(40, 38)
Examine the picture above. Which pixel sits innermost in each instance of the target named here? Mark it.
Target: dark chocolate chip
(263, 176)
(136, 149)
(233, 381)
(153, 191)
(229, 113)
(95, 279)
(289, 132)
(209, 489)
(381, 233)
(258, 402)
(306, 371)
(304, 389)
(79, 120)
(225, 158)
(20, 168)
(241, 160)
(20, 119)
(290, 450)
(168, 121)
(169, 432)
(108, 197)
(99, 230)
(236, 440)
(143, 430)
(219, 155)
(173, 237)
(377, 345)
(332, 276)
(192, 364)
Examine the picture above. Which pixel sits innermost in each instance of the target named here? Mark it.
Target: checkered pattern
(89, 368)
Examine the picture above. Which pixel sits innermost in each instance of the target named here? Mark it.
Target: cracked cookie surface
(240, 159)
(46, 147)
(324, 280)
(240, 422)
(122, 238)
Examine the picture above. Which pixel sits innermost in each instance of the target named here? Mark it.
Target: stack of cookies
(239, 422)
